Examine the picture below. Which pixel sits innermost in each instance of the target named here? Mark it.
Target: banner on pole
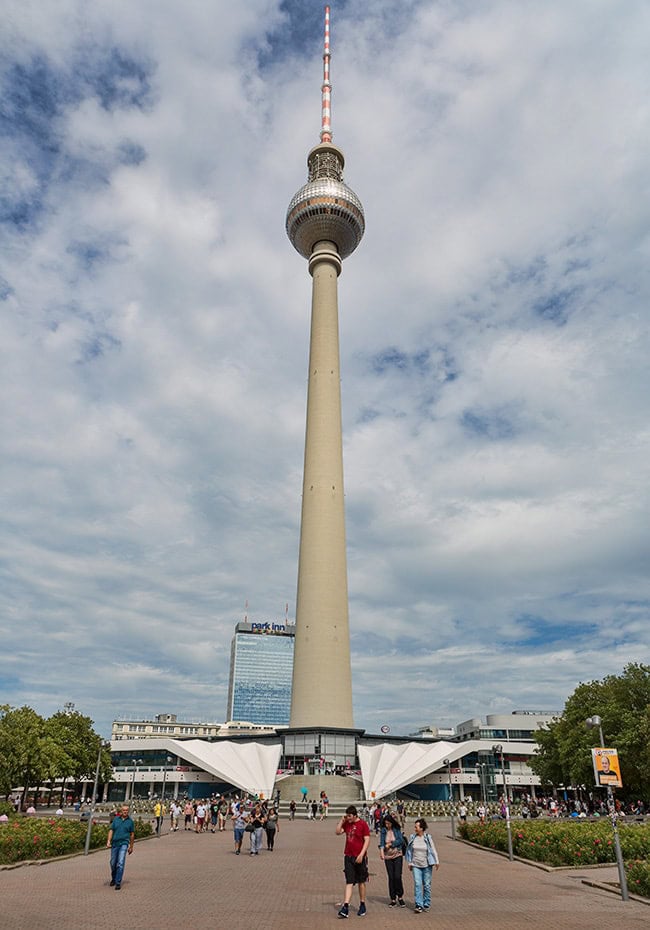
(607, 770)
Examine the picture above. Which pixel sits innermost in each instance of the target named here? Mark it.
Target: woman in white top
(421, 857)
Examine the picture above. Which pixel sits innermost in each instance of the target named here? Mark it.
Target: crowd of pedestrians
(260, 819)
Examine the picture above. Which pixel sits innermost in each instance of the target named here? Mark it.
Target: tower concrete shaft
(322, 677)
(325, 223)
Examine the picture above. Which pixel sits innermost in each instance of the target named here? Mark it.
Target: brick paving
(196, 882)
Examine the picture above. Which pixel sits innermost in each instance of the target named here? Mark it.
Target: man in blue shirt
(120, 840)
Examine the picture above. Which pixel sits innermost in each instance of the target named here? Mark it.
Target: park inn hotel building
(261, 666)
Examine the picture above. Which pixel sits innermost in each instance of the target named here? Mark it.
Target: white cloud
(494, 336)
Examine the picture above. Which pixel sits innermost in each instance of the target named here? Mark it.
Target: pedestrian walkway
(196, 882)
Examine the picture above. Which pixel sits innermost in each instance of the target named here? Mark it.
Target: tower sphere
(325, 209)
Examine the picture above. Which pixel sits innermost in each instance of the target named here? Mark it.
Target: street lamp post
(135, 763)
(94, 798)
(447, 762)
(483, 777)
(168, 761)
(498, 750)
(595, 723)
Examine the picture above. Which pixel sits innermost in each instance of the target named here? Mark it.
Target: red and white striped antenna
(326, 122)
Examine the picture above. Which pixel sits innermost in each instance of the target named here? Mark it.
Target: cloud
(494, 340)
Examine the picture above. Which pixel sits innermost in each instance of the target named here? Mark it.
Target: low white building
(169, 725)
(476, 760)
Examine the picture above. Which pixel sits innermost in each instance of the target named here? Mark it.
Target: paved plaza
(196, 882)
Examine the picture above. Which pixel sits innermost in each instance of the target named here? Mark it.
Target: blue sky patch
(34, 97)
(130, 153)
(539, 633)
(394, 359)
(494, 425)
(367, 415)
(97, 346)
(120, 81)
(555, 307)
(301, 31)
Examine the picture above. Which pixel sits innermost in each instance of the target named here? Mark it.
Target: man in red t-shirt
(355, 862)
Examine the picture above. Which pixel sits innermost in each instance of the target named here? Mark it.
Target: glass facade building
(261, 669)
(319, 752)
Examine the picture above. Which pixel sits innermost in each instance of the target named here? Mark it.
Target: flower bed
(571, 844)
(638, 877)
(25, 838)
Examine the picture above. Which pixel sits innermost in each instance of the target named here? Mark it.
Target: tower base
(340, 789)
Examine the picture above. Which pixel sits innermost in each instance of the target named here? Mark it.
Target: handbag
(249, 828)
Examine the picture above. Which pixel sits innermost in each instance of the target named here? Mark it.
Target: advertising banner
(607, 770)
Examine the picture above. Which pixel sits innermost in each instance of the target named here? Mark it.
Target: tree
(78, 747)
(24, 748)
(623, 704)
(34, 750)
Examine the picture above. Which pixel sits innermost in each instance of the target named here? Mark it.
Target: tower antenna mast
(326, 120)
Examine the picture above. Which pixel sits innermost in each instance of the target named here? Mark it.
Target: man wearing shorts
(355, 862)
(238, 818)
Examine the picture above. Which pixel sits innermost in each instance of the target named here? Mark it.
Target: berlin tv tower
(325, 223)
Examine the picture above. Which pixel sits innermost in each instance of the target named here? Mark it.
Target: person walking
(257, 819)
(355, 861)
(222, 814)
(292, 810)
(159, 812)
(188, 811)
(391, 852)
(239, 827)
(214, 814)
(272, 827)
(121, 837)
(175, 811)
(421, 857)
(201, 811)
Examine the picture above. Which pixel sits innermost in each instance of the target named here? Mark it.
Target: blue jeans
(118, 858)
(422, 882)
(256, 839)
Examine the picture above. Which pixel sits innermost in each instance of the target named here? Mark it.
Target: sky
(494, 330)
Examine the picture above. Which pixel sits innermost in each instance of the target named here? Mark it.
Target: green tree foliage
(623, 704)
(23, 747)
(34, 750)
(73, 734)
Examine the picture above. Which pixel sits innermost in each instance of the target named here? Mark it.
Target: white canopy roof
(387, 767)
(250, 765)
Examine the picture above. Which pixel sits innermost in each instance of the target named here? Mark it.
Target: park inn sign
(268, 628)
